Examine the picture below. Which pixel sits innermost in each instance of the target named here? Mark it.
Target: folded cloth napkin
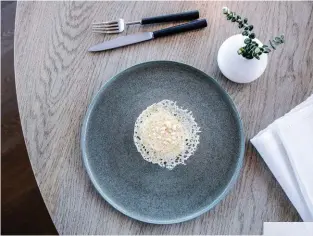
(287, 148)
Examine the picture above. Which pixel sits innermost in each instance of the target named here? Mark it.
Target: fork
(118, 26)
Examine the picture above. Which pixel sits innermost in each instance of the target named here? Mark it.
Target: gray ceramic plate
(146, 191)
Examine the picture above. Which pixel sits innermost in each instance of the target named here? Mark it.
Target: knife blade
(122, 41)
(141, 37)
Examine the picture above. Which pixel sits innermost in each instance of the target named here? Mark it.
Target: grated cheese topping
(166, 134)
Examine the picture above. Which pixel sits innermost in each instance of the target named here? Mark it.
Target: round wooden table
(56, 78)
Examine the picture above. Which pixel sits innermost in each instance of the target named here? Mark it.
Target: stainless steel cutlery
(145, 36)
(118, 26)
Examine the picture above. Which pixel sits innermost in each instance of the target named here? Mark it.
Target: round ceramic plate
(146, 191)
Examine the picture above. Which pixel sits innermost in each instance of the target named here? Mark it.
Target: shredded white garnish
(166, 134)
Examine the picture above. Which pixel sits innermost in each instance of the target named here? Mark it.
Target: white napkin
(287, 148)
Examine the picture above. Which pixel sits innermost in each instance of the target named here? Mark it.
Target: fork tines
(108, 27)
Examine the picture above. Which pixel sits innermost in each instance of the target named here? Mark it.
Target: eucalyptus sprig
(251, 49)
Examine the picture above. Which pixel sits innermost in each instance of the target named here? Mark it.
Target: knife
(145, 36)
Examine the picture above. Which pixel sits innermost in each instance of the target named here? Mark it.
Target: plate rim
(219, 198)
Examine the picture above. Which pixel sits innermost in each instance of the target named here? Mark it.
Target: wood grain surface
(23, 210)
(56, 78)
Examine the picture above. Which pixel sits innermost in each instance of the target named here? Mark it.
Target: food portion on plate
(166, 134)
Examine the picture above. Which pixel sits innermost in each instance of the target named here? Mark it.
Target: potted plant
(242, 58)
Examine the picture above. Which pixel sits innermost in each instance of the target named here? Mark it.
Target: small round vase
(237, 68)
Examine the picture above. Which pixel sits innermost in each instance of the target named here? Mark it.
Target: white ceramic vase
(237, 68)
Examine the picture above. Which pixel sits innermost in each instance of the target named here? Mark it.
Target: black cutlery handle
(193, 25)
(189, 15)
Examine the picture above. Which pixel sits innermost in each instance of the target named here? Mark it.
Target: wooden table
(56, 78)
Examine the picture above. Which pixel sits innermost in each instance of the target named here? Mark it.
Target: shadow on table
(22, 208)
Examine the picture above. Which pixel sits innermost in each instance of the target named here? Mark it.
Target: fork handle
(189, 15)
(193, 25)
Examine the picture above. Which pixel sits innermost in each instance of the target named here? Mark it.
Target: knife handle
(193, 25)
(189, 15)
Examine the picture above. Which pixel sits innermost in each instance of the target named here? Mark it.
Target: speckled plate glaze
(146, 191)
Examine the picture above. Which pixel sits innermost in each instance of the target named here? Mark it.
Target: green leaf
(255, 43)
(240, 51)
(245, 33)
(257, 57)
(249, 56)
(250, 27)
(233, 19)
(252, 36)
(247, 41)
(245, 20)
(252, 49)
